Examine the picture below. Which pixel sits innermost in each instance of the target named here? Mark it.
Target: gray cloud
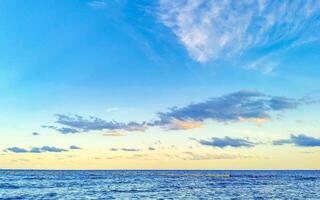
(124, 149)
(16, 150)
(241, 105)
(235, 107)
(35, 149)
(130, 149)
(78, 123)
(74, 147)
(151, 148)
(300, 140)
(35, 133)
(227, 142)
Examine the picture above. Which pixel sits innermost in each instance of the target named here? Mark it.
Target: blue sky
(151, 70)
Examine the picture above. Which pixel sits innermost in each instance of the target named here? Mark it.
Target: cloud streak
(226, 142)
(300, 140)
(208, 156)
(124, 149)
(35, 149)
(214, 29)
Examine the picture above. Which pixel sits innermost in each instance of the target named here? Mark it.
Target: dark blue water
(47, 184)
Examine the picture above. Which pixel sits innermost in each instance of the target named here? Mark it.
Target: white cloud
(215, 29)
(98, 4)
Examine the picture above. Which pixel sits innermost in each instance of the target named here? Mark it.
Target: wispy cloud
(300, 140)
(124, 149)
(115, 134)
(98, 4)
(112, 109)
(216, 29)
(227, 142)
(208, 156)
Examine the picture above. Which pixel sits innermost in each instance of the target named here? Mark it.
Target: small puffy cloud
(74, 147)
(300, 140)
(151, 148)
(227, 142)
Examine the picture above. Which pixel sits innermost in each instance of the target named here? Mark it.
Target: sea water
(159, 184)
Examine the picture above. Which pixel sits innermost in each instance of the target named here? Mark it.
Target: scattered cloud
(215, 29)
(35, 149)
(241, 106)
(300, 140)
(151, 148)
(227, 142)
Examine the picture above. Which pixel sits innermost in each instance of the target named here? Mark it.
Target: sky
(188, 84)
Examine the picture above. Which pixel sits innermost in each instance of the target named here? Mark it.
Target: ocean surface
(180, 184)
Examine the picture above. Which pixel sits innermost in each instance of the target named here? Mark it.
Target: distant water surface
(179, 184)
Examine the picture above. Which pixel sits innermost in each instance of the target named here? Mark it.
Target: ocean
(159, 184)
